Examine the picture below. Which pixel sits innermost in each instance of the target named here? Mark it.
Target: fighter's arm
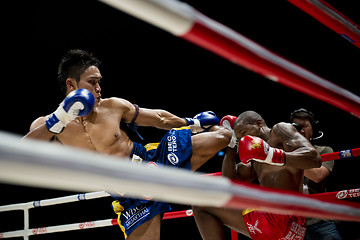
(239, 171)
(38, 130)
(150, 117)
(299, 153)
(165, 120)
(159, 118)
(77, 103)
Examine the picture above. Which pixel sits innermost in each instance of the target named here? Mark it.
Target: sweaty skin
(299, 155)
(100, 131)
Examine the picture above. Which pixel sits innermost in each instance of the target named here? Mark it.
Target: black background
(155, 69)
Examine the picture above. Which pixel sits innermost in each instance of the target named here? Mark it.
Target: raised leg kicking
(85, 120)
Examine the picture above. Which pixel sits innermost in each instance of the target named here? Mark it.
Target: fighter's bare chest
(95, 133)
(270, 175)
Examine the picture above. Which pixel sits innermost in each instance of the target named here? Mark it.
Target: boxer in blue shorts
(86, 120)
(175, 149)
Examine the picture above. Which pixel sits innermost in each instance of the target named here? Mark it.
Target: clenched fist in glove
(255, 148)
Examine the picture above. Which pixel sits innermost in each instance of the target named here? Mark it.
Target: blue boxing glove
(202, 121)
(77, 103)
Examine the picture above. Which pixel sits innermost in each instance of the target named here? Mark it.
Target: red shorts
(263, 225)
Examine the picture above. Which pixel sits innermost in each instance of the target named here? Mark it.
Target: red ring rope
(341, 154)
(242, 51)
(343, 194)
(355, 152)
(332, 18)
(185, 22)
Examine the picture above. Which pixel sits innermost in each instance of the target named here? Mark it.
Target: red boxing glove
(255, 148)
(228, 123)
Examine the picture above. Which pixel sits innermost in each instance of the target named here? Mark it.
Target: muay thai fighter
(85, 120)
(277, 157)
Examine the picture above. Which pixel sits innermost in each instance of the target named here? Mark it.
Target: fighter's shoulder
(116, 103)
(284, 130)
(38, 122)
(283, 125)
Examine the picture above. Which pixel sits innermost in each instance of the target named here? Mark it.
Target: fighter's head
(80, 69)
(250, 123)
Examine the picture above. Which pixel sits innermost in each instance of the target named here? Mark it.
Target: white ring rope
(332, 18)
(26, 232)
(43, 164)
(60, 228)
(54, 201)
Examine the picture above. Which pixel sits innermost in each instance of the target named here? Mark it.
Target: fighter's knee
(197, 210)
(200, 212)
(225, 135)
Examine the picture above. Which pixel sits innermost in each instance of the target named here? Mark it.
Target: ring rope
(350, 193)
(332, 18)
(344, 154)
(54, 201)
(82, 225)
(341, 154)
(43, 164)
(60, 228)
(343, 194)
(184, 21)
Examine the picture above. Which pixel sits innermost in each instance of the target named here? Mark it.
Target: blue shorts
(175, 149)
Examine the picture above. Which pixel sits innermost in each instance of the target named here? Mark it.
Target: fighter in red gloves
(277, 156)
(256, 149)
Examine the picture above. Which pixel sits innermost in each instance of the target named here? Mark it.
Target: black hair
(306, 114)
(73, 64)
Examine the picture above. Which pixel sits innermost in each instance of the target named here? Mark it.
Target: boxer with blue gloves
(202, 121)
(78, 103)
(85, 120)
